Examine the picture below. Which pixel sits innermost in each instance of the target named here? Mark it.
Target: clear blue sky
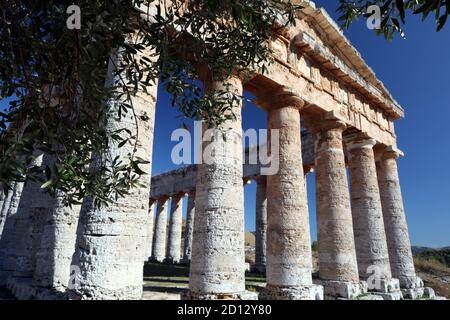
(416, 71)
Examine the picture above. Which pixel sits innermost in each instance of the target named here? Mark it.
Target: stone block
(342, 289)
(311, 292)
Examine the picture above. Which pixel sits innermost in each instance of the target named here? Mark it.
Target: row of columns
(167, 247)
(353, 240)
(357, 230)
(362, 235)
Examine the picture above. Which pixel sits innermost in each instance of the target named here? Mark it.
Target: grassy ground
(435, 274)
(167, 282)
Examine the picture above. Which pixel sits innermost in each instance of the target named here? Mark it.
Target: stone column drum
(338, 270)
(399, 245)
(32, 211)
(160, 231)
(289, 262)
(8, 245)
(150, 228)
(54, 255)
(111, 241)
(189, 228)
(175, 226)
(217, 269)
(370, 238)
(261, 225)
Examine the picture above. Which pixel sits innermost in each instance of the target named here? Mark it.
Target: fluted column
(55, 250)
(399, 245)
(289, 261)
(150, 228)
(261, 225)
(111, 241)
(175, 226)
(26, 235)
(189, 228)
(217, 269)
(338, 268)
(160, 231)
(370, 237)
(8, 245)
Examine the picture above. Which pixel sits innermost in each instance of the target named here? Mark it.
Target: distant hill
(441, 255)
(249, 238)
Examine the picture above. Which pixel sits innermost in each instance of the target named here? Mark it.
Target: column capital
(279, 97)
(325, 122)
(389, 152)
(359, 141)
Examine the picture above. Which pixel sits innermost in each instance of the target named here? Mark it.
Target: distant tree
(44, 49)
(393, 13)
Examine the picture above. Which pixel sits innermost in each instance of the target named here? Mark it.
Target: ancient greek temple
(333, 116)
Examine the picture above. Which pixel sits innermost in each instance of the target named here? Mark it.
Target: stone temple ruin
(319, 81)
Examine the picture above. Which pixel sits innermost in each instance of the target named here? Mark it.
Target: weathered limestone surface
(337, 255)
(289, 262)
(111, 241)
(57, 245)
(4, 206)
(184, 179)
(189, 228)
(261, 225)
(7, 243)
(150, 228)
(160, 231)
(218, 258)
(27, 230)
(399, 245)
(370, 238)
(175, 226)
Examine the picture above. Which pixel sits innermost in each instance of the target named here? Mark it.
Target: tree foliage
(394, 13)
(54, 78)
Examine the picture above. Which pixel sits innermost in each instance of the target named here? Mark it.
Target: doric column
(150, 228)
(338, 270)
(370, 238)
(261, 225)
(111, 240)
(55, 250)
(7, 242)
(289, 261)
(189, 228)
(399, 245)
(217, 269)
(26, 235)
(160, 231)
(175, 226)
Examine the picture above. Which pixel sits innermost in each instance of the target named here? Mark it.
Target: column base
(258, 268)
(21, 288)
(245, 295)
(308, 292)
(48, 294)
(414, 294)
(412, 287)
(342, 289)
(389, 289)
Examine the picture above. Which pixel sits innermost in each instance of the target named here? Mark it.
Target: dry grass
(435, 274)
